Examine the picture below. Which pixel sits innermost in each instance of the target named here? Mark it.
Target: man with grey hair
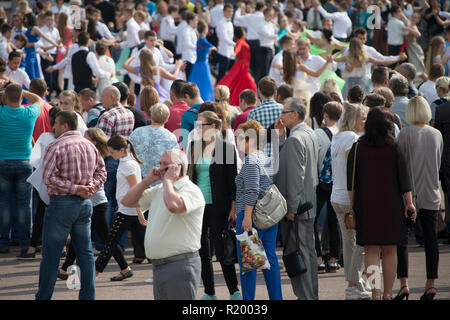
(399, 87)
(172, 239)
(297, 179)
(409, 71)
(116, 119)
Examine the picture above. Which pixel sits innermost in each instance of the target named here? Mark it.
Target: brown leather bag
(350, 221)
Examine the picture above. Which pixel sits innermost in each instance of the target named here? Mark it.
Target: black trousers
(224, 65)
(254, 51)
(428, 220)
(188, 70)
(332, 223)
(394, 51)
(99, 224)
(264, 59)
(38, 222)
(121, 223)
(50, 78)
(213, 225)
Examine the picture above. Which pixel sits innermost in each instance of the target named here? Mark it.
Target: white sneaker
(149, 280)
(352, 293)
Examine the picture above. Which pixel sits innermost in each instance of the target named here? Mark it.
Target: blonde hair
(257, 131)
(357, 55)
(149, 97)
(222, 96)
(351, 113)
(73, 96)
(101, 140)
(159, 113)
(329, 86)
(443, 83)
(147, 65)
(418, 111)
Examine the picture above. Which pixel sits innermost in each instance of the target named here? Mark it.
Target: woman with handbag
(378, 181)
(352, 124)
(250, 181)
(422, 145)
(213, 167)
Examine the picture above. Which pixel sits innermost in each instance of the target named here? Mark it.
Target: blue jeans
(272, 275)
(64, 215)
(15, 191)
(110, 192)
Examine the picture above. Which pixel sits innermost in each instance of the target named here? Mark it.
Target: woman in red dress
(238, 78)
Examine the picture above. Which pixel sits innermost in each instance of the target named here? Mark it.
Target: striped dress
(251, 179)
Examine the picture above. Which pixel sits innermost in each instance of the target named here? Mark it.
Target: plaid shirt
(116, 120)
(267, 113)
(70, 161)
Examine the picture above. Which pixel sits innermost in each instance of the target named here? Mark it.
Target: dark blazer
(442, 123)
(222, 172)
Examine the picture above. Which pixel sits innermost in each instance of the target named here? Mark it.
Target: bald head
(110, 97)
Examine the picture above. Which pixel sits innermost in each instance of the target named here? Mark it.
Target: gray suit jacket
(297, 176)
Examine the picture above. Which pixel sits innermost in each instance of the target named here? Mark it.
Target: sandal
(428, 295)
(402, 294)
(123, 276)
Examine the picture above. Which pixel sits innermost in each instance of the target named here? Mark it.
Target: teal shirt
(362, 19)
(16, 130)
(203, 179)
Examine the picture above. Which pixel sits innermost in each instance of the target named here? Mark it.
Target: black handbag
(293, 262)
(229, 244)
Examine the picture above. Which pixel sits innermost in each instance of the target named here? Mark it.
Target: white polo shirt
(168, 233)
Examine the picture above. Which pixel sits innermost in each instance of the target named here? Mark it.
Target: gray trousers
(178, 280)
(353, 254)
(305, 286)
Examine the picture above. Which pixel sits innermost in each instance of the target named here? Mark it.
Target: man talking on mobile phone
(172, 238)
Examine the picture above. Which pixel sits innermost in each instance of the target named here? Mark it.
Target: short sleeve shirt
(16, 129)
(128, 166)
(168, 233)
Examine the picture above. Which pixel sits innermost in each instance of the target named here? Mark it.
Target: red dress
(67, 44)
(238, 78)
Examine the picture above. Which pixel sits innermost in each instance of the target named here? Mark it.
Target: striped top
(251, 179)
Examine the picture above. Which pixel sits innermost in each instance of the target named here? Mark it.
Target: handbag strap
(352, 193)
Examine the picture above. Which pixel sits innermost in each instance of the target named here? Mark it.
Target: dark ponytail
(119, 142)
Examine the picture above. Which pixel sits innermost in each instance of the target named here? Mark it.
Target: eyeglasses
(200, 124)
(284, 112)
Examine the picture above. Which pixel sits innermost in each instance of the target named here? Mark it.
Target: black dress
(382, 176)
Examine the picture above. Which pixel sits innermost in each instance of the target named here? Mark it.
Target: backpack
(325, 173)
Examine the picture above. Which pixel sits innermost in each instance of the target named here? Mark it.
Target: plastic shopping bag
(253, 255)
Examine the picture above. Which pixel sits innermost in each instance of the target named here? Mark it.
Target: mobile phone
(181, 171)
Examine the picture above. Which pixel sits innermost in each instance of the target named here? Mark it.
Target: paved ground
(19, 279)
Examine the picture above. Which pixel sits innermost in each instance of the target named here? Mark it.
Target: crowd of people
(168, 119)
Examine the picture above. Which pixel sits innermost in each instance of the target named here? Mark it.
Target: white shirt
(53, 34)
(275, 72)
(267, 34)
(144, 26)
(225, 33)
(64, 9)
(395, 32)
(314, 63)
(106, 64)
(252, 22)
(103, 31)
(82, 128)
(19, 76)
(167, 29)
(428, 91)
(4, 48)
(15, 32)
(216, 14)
(168, 233)
(188, 46)
(341, 143)
(183, 24)
(132, 35)
(128, 166)
(342, 25)
(92, 61)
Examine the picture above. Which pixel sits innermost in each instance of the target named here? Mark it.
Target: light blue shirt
(16, 130)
